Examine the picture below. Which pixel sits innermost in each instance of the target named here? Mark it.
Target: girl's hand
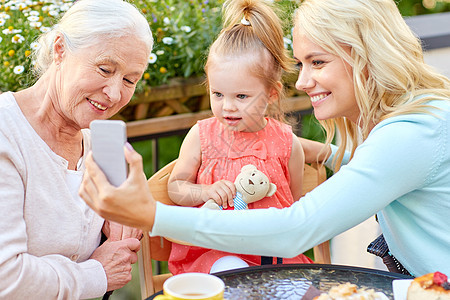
(130, 204)
(222, 192)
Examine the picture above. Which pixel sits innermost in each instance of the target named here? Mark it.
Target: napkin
(311, 293)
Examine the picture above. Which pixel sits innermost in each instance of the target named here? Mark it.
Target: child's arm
(314, 151)
(182, 187)
(296, 162)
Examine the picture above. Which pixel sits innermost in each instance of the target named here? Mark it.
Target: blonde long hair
(389, 72)
(261, 41)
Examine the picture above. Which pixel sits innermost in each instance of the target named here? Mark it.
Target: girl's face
(96, 82)
(238, 98)
(326, 78)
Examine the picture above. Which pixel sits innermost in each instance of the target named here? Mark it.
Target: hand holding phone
(108, 138)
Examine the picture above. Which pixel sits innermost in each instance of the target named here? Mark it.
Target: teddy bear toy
(251, 185)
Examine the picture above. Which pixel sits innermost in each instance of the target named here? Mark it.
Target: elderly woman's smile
(105, 75)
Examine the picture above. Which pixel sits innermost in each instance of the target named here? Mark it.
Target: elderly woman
(89, 65)
(364, 72)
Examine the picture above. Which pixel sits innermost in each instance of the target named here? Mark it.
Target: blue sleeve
(399, 156)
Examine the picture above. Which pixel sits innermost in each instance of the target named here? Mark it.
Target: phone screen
(108, 139)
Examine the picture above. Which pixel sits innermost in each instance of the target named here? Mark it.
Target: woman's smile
(316, 100)
(97, 105)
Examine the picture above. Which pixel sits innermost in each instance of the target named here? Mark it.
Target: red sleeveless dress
(224, 153)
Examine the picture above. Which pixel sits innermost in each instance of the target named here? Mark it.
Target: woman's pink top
(223, 154)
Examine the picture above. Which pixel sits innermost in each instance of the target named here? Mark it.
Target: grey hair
(89, 22)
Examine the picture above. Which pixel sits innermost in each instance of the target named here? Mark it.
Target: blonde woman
(364, 71)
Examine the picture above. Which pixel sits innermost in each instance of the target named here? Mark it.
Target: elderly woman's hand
(116, 258)
(130, 204)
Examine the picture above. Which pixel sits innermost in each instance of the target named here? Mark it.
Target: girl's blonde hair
(261, 41)
(389, 74)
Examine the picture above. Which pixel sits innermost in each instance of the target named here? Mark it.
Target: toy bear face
(253, 184)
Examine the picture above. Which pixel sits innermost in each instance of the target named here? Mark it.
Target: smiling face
(238, 98)
(326, 78)
(95, 82)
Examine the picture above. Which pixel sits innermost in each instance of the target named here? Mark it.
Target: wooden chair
(158, 248)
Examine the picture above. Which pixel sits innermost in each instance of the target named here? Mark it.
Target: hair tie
(245, 22)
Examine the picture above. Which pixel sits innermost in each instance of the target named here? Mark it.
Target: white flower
(17, 39)
(167, 40)
(53, 13)
(65, 6)
(4, 16)
(152, 58)
(35, 45)
(18, 69)
(186, 28)
(35, 24)
(33, 18)
(2, 22)
(34, 13)
(53, 7)
(287, 42)
(44, 29)
(6, 31)
(11, 31)
(1, 39)
(166, 21)
(160, 52)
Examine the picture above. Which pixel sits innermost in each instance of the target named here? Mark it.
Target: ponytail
(252, 29)
(264, 23)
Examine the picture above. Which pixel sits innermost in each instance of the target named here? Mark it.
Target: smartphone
(108, 138)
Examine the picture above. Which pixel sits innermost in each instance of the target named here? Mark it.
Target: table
(290, 281)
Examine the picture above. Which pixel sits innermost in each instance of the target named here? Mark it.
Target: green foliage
(420, 7)
(21, 22)
(183, 32)
(168, 149)
(311, 129)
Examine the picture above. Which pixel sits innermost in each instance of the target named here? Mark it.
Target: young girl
(244, 69)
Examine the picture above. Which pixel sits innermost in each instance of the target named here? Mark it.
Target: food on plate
(349, 291)
(431, 286)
